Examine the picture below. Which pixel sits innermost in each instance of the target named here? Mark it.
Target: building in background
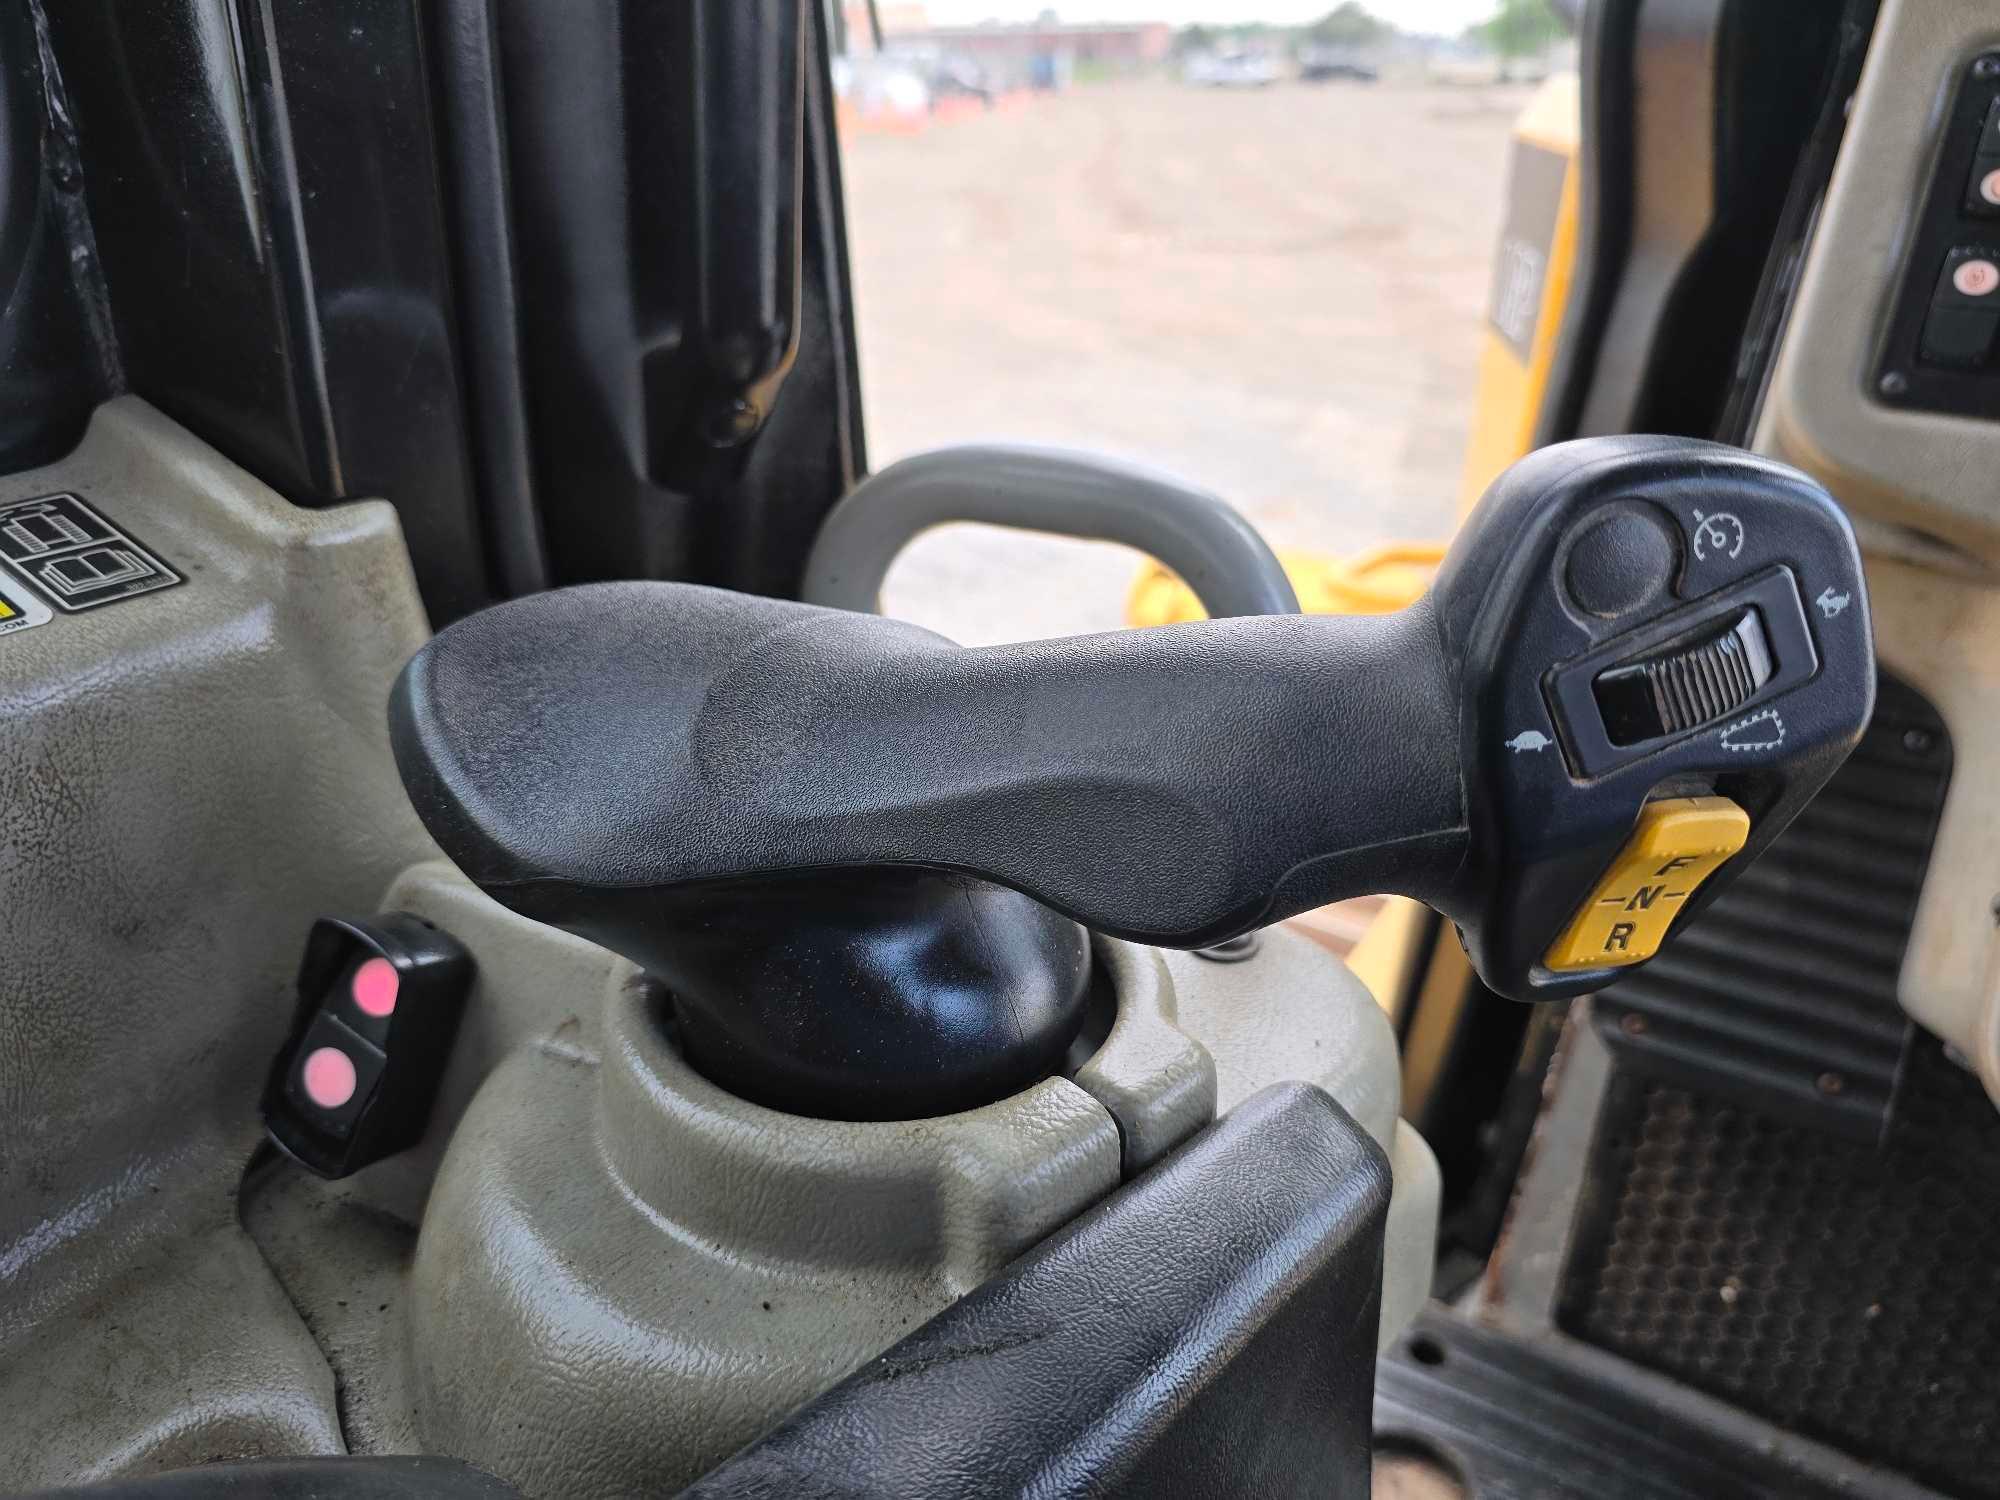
(1127, 48)
(1012, 51)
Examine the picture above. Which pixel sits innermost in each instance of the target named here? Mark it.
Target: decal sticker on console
(19, 609)
(76, 558)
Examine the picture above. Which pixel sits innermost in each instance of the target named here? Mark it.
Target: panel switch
(1959, 336)
(1679, 843)
(1982, 194)
(1684, 688)
(1964, 314)
(378, 1006)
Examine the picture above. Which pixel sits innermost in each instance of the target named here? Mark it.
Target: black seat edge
(336, 1478)
(1208, 1330)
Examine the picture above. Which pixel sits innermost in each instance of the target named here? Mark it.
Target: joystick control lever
(1640, 658)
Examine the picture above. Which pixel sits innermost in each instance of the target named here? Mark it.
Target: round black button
(1622, 561)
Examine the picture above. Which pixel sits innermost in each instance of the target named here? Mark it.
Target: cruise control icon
(76, 558)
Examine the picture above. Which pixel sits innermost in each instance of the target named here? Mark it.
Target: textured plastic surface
(186, 780)
(1954, 225)
(585, 753)
(1162, 785)
(1208, 1331)
(663, 1270)
(608, 1225)
(1929, 471)
(154, 940)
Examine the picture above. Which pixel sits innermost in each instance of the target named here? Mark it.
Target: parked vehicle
(1243, 69)
(1323, 64)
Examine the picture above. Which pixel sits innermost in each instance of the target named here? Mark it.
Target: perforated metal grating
(1845, 1293)
(1782, 995)
(1793, 1198)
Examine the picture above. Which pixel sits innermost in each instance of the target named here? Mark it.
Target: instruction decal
(74, 557)
(19, 609)
(1535, 179)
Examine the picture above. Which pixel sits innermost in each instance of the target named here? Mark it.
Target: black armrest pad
(1209, 1330)
(401, 1478)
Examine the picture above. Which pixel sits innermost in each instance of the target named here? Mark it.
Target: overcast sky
(1446, 16)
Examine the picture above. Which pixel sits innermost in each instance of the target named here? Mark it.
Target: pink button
(1989, 187)
(1975, 278)
(329, 1077)
(374, 987)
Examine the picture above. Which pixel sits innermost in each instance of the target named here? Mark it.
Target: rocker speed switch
(1685, 688)
(1679, 843)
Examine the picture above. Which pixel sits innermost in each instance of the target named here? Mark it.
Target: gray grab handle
(1200, 536)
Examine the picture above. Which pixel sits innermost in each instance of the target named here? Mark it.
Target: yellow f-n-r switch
(1679, 843)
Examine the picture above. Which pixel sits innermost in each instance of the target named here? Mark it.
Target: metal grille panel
(1844, 1293)
(1783, 993)
(1793, 1198)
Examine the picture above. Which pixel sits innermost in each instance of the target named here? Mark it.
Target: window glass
(1259, 256)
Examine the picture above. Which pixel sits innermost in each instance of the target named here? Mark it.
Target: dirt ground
(1277, 294)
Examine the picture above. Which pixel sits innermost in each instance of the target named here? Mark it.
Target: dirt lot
(1277, 294)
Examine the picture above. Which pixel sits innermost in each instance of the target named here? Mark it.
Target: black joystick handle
(1618, 621)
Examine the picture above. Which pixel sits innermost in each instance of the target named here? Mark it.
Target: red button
(374, 987)
(328, 1077)
(1975, 278)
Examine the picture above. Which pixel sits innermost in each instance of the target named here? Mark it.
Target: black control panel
(1942, 349)
(378, 1006)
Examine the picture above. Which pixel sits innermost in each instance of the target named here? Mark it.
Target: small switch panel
(1942, 350)
(1679, 843)
(1965, 308)
(378, 1007)
(1983, 200)
(1982, 192)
